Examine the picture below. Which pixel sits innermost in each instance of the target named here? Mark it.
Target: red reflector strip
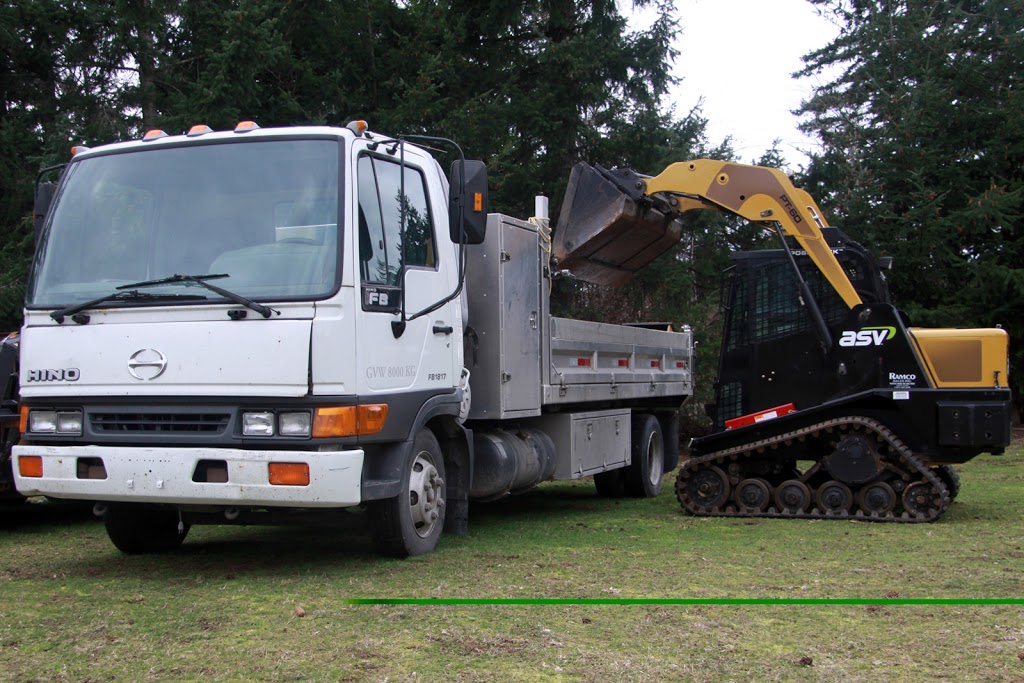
(760, 416)
(583, 362)
(623, 363)
(680, 364)
(655, 363)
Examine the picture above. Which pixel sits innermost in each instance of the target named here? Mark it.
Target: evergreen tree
(923, 133)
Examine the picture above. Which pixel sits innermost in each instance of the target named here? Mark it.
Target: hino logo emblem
(147, 364)
(63, 375)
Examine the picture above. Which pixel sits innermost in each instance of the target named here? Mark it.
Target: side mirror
(467, 202)
(44, 194)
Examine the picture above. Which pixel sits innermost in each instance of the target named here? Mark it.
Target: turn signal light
(288, 473)
(350, 420)
(334, 421)
(30, 465)
(370, 418)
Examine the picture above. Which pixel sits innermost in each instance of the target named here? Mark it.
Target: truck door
(423, 356)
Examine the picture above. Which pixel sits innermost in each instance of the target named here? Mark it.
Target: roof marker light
(246, 126)
(199, 129)
(78, 148)
(358, 127)
(154, 134)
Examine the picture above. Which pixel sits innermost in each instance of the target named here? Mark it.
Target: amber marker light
(198, 129)
(23, 421)
(155, 134)
(350, 420)
(30, 465)
(371, 418)
(246, 126)
(339, 421)
(288, 473)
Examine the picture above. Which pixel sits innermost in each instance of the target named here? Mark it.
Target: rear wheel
(136, 528)
(411, 523)
(643, 477)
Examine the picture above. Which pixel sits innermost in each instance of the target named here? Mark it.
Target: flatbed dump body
(526, 362)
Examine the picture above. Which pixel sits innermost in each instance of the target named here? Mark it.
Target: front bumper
(165, 475)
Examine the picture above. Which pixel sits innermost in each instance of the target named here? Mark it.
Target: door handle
(441, 328)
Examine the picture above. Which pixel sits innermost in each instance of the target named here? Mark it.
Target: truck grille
(195, 423)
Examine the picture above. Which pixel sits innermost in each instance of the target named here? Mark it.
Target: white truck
(256, 325)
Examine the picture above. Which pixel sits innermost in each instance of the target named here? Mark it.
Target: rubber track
(904, 460)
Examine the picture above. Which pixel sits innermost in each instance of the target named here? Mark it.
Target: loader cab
(770, 355)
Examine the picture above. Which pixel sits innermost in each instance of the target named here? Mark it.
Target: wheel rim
(753, 495)
(920, 499)
(834, 497)
(655, 460)
(425, 499)
(708, 488)
(878, 499)
(793, 496)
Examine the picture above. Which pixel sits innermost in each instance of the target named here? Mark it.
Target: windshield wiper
(133, 295)
(201, 280)
(131, 292)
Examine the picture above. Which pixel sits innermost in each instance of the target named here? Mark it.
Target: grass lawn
(271, 603)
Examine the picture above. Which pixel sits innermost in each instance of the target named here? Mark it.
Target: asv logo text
(869, 336)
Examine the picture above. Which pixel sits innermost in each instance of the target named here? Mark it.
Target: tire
(670, 436)
(643, 477)
(411, 523)
(136, 528)
(610, 484)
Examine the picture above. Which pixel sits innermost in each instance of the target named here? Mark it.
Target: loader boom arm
(760, 195)
(615, 222)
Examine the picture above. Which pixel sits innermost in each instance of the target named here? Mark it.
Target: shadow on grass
(31, 515)
(217, 552)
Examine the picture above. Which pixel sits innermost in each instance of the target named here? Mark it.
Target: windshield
(263, 213)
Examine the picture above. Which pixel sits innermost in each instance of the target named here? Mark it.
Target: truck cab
(143, 384)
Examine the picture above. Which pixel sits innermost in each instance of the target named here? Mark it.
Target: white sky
(739, 56)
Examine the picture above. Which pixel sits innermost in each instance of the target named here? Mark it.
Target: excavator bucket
(604, 235)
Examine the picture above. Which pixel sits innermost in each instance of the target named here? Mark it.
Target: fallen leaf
(299, 612)
(806, 661)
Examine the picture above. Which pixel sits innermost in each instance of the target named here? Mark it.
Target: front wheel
(136, 528)
(411, 523)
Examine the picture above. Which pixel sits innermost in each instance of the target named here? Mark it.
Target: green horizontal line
(680, 601)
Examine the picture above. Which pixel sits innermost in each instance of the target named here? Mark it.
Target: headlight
(55, 422)
(295, 424)
(258, 424)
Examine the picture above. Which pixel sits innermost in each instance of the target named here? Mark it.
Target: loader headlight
(55, 422)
